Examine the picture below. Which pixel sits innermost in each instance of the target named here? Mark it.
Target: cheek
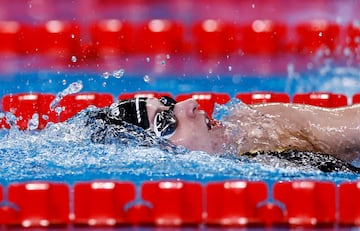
(190, 137)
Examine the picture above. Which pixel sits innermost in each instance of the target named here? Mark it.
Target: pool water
(64, 152)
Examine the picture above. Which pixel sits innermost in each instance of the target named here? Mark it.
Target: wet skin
(267, 127)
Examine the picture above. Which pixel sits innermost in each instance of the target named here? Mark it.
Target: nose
(186, 108)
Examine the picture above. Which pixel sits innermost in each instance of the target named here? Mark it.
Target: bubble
(167, 56)
(63, 82)
(147, 59)
(253, 5)
(147, 78)
(72, 36)
(230, 68)
(320, 34)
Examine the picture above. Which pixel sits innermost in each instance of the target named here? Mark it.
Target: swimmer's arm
(334, 131)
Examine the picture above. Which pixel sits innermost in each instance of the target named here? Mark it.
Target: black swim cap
(132, 111)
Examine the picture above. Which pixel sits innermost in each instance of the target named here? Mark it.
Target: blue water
(64, 152)
(230, 76)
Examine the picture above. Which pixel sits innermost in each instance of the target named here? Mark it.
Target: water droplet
(58, 110)
(105, 75)
(347, 51)
(73, 59)
(72, 36)
(10, 119)
(147, 78)
(167, 56)
(210, 71)
(45, 117)
(163, 62)
(147, 59)
(104, 84)
(118, 73)
(230, 68)
(71, 89)
(253, 5)
(63, 82)
(33, 122)
(320, 34)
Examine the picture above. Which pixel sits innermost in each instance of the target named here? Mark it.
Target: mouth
(210, 123)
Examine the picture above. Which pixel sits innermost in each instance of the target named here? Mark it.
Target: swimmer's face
(193, 126)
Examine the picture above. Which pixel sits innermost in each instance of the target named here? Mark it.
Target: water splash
(147, 78)
(117, 74)
(64, 152)
(33, 122)
(73, 88)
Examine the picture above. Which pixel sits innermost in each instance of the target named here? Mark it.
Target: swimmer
(275, 127)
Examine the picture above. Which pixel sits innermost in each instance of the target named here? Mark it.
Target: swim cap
(132, 111)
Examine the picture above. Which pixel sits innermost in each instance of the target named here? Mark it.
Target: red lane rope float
(353, 38)
(60, 39)
(263, 97)
(214, 37)
(36, 204)
(307, 203)
(208, 38)
(173, 202)
(10, 32)
(234, 203)
(102, 203)
(24, 106)
(263, 37)
(70, 105)
(322, 99)
(299, 203)
(317, 34)
(349, 203)
(112, 37)
(160, 36)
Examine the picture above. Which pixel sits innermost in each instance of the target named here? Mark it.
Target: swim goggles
(165, 121)
(134, 111)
